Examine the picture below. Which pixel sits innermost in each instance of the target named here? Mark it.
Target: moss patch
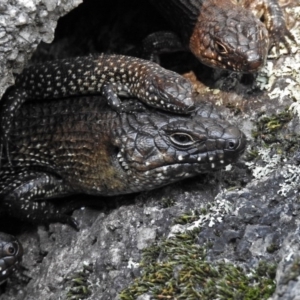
(268, 126)
(178, 269)
(79, 286)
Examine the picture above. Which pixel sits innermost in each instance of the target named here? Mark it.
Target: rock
(23, 25)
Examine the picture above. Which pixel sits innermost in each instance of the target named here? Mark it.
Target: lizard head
(166, 148)
(229, 37)
(168, 91)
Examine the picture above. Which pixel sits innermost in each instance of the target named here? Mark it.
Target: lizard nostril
(231, 145)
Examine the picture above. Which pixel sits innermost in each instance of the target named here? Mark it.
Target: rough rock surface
(23, 24)
(252, 209)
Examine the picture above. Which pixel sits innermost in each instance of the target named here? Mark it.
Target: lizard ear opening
(115, 150)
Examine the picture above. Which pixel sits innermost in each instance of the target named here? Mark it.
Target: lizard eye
(182, 139)
(220, 48)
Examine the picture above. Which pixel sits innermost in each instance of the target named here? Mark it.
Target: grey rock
(23, 25)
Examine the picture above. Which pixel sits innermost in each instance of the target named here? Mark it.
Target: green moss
(272, 133)
(268, 127)
(266, 269)
(251, 154)
(189, 217)
(192, 216)
(179, 270)
(272, 248)
(167, 202)
(79, 286)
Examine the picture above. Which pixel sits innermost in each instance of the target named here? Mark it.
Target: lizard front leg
(272, 16)
(22, 191)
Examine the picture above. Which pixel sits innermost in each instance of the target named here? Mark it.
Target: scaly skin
(221, 33)
(111, 75)
(274, 20)
(11, 253)
(81, 145)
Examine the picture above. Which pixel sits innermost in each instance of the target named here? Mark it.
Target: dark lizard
(221, 33)
(111, 75)
(81, 145)
(11, 253)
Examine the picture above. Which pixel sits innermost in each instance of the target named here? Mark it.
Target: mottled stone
(23, 25)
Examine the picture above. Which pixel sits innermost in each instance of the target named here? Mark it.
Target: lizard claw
(282, 35)
(132, 106)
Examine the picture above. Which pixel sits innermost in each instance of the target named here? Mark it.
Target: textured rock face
(251, 210)
(23, 24)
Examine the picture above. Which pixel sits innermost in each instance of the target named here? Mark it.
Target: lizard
(110, 151)
(110, 75)
(81, 145)
(223, 34)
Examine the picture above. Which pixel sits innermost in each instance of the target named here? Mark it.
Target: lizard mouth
(204, 163)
